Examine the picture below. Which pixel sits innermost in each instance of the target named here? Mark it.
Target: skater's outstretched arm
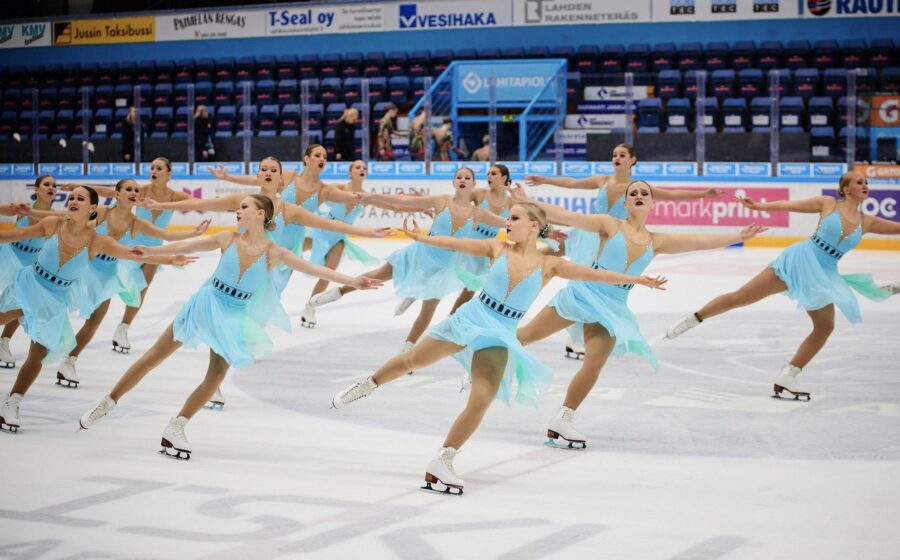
(145, 227)
(475, 247)
(600, 223)
(483, 216)
(193, 245)
(25, 209)
(227, 203)
(670, 244)
(299, 215)
(102, 190)
(41, 229)
(586, 183)
(249, 180)
(682, 194)
(431, 202)
(813, 205)
(556, 266)
(289, 259)
(109, 246)
(874, 224)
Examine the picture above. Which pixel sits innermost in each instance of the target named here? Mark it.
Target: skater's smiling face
(623, 157)
(639, 197)
(269, 174)
(45, 188)
(854, 186)
(464, 180)
(160, 171)
(127, 194)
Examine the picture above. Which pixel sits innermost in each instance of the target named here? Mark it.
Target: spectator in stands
(443, 141)
(344, 139)
(417, 137)
(203, 146)
(128, 134)
(484, 152)
(387, 129)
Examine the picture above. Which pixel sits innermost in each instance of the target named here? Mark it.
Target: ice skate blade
(573, 355)
(121, 349)
(67, 383)
(8, 428)
(7, 365)
(797, 396)
(553, 440)
(167, 448)
(215, 405)
(306, 324)
(448, 490)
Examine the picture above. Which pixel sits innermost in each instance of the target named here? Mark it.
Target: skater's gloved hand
(366, 283)
(181, 260)
(751, 231)
(654, 283)
(413, 232)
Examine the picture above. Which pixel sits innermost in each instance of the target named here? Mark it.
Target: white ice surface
(696, 462)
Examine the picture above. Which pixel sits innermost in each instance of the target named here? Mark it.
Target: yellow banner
(103, 31)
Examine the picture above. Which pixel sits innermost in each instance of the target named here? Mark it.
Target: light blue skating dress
(107, 276)
(323, 240)
(229, 311)
(582, 246)
(43, 291)
(161, 221)
(17, 254)
(490, 320)
(472, 270)
(809, 268)
(607, 304)
(423, 272)
(297, 232)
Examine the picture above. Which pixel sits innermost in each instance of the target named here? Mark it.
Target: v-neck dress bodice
(582, 246)
(323, 240)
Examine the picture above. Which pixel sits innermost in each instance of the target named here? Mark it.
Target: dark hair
(40, 179)
(166, 161)
(628, 147)
(264, 203)
(275, 159)
(122, 182)
(649, 186)
(93, 197)
(310, 148)
(504, 172)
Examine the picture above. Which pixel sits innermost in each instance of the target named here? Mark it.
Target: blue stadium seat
(352, 89)
(312, 86)
(103, 95)
(806, 82)
(796, 55)
(377, 89)
(103, 119)
(180, 121)
(649, 112)
(677, 130)
(203, 93)
(265, 92)
(440, 59)
(821, 141)
(785, 82)
(180, 95)
(63, 124)
(333, 112)
(225, 119)
(106, 73)
(866, 79)
(537, 52)
(244, 111)
(637, 58)
(889, 79)
(398, 89)
(145, 72)
(418, 87)
(165, 71)
(268, 118)
(881, 53)
(224, 69)
(668, 84)
(791, 111)
(205, 69)
(820, 112)
(690, 56)
(162, 120)
(573, 85)
(70, 74)
(840, 116)
(308, 66)
(489, 53)
(88, 74)
(611, 57)
(290, 117)
(290, 132)
(47, 99)
(690, 84)
(678, 112)
(286, 67)
(825, 53)
(266, 66)
(330, 65)
(760, 113)
(585, 59)
(512, 52)
(717, 56)
(45, 121)
(750, 82)
(662, 57)
(648, 130)
(834, 82)
(162, 94)
(395, 63)
(711, 115)
(351, 64)
(287, 92)
(722, 83)
(124, 72)
(11, 99)
(743, 54)
(472, 54)
(316, 116)
(184, 70)
(330, 90)
(769, 55)
(223, 93)
(373, 64)
(734, 113)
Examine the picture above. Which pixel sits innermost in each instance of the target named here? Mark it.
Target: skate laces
(179, 430)
(359, 390)
(446, 459)
(568, 415)
(99, 412)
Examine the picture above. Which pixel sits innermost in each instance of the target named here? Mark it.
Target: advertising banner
(850, 8)
(720, 10)
(879, 171)
(104, 31)
(18, 35)
(612, 93)
(580, 122)
(461, 14)
(314, 20)
(885, 111)
(880, 203)
(220, 24)
(722, 211)
(515, 82)
(566, 12)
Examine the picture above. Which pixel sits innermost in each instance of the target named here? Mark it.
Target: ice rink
(697, 462)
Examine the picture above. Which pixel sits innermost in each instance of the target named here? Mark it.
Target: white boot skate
(403, 306)
(9, 413)
(6, 358)
(328, 296)
(174, 442)
(120, 339)
(65, 373)
(360, 389)
(893, 287)
(308, 318)
(217, 402)
(94, 415)
(574, 350)
(682, 326)
(561, 428)
(787, 381)
(440, 471)
(406, 347)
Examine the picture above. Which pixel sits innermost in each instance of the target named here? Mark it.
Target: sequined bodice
(497, 296)
(828, 237)
(617, 210)
(443, 225)
(50, 274)
(227, 278)
(484, 231)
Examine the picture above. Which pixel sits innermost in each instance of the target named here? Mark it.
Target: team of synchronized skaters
(55, 262)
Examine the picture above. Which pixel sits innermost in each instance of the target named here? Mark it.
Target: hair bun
(545, 231)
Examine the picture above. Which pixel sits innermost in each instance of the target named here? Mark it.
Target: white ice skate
(217, 402)
(6, 358)
(561, 428)
(9, 413)
(65, 373)
(360, 389)
(893, 287)
(120, 339)
(308, 318)
(328, 296)
(94, 415)
(787, 381)
(174, 442)
(440, 471)
(682, 326)
(574, 350)
(406, 347)
(403, 306)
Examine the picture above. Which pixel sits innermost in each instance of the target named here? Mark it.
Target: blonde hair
(844, 182)
(536, 214)
(264, 203)
(350, 111)
(201, 112)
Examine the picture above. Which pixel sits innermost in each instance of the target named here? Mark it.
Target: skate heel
(574, 354)
(167, 449)
(797, 396)
(447, 488)
(9, 428)
(63, 382)
(121, 349)
(7, 365)
(552, 435)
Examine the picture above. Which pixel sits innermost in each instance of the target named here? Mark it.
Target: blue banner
(515, 82)
(794, 169)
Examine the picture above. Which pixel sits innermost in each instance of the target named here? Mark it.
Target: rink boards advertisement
(723, 214)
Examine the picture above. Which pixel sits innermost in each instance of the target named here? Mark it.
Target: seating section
(810, 78)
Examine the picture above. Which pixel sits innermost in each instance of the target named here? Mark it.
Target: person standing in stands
(202, 137)
(387, 129)
(344, 139)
